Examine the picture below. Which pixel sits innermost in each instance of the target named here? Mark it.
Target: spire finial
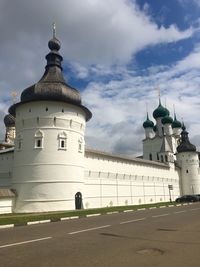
(147, 110)
(158, 91)
(54, 29)
(14, 96)
(174, 111)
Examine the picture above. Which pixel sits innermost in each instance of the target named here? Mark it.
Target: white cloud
(98, 33)
(118, 117)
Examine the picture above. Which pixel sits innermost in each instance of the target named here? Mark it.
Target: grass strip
(22, 219)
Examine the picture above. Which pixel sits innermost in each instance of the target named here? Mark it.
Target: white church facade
(45, 165)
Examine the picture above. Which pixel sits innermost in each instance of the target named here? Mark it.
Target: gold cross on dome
(14, 96)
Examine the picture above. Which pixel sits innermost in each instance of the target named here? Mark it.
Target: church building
(45, 165)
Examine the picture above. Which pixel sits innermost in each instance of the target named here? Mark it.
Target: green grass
(22, 219)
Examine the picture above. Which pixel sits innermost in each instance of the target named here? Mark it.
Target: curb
(85, 216)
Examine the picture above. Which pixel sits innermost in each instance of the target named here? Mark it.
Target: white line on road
(136, 220)
(194, 209)
(89, 229)
(161, 215)
(181, 211)
(25, 242)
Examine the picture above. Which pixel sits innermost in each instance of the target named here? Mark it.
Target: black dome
(52, 86)
(9, 120)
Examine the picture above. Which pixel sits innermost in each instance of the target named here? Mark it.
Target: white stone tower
(188, 161)
(48, 173)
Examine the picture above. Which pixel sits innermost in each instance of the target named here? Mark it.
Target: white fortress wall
(6, 166)
(112, 180)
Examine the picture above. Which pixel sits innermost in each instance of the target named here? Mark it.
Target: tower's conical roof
(185, 145)
(52, 86)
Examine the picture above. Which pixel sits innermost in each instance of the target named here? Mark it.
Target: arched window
(39, 137)
(157, 156)
(150, 156)
(162, 160)
(62, 141)
(166, 159)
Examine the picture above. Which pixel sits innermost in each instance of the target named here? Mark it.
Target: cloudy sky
(116, 52)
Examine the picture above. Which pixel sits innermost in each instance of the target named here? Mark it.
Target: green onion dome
(176, 123)
(148, 123)
(160, 112)
(167, 119)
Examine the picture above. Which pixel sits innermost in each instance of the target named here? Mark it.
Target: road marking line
(25, 242)
(195, 209)
(161, 215)
(89, 229)
(152, 208)
(161, 207)
(181, 211)
(142, 209)
(136, 220)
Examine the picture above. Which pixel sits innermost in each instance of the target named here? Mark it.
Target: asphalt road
(158, 237)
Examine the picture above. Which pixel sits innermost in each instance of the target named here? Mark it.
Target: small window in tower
(80, 145)
(162, 160)
(39, 143)
(54, 121)
(187, 171)
(62, 110)
(150, 156)
(39, 136)
(157, 157)
(47, 109)
(62, 141)
(166, 159)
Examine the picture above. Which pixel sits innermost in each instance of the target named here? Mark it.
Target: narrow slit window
(39, 143)
(62, 143)
(80, 145)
